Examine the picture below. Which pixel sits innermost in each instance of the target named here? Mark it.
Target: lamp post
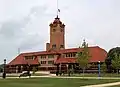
(99, 69)
(4, 72)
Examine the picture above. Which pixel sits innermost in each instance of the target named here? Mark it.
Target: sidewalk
(104, 85)
(54, 76)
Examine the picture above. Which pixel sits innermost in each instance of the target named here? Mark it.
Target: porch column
(16, 69)
(60, 69)
(57, 72)
(21, 68)
(67, 67)
(72, 69)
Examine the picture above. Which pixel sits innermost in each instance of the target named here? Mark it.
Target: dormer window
(29, 57)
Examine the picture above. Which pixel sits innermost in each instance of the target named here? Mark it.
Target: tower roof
(57, 20)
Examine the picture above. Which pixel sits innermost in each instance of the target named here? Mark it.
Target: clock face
(54, 30)
(61, 30)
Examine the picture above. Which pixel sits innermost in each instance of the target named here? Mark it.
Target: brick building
(55, 54)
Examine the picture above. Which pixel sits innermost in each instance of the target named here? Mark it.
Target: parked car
(25, 73)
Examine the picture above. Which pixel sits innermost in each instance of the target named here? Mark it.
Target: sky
(24, 24)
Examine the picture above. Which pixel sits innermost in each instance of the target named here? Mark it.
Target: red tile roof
(19, 60)
(65, 60)
(97, 54)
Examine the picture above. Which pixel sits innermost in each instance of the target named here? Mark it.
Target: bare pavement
(98, 85)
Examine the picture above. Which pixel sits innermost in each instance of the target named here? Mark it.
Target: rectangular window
(70, 54)
(74, 54)
(66, 55)
(50, 62)
(43, 57)
(50, 56)
(54, 46)
(61, 46)
(29, 57)
(43, 62)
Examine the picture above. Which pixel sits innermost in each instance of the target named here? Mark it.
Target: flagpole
(57, 7)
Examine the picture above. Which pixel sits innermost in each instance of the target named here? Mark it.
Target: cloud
(25, 24)
(17, 33)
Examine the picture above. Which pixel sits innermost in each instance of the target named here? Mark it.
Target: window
(50, 56)
(50, 62)
(54, 46)
(61, 30)
(54, 30)
(43, 57)
(43, 62)
(29, 58)
(70, 54)
(74, 54)
(61, 46)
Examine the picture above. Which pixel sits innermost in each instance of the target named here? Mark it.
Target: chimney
(47, 46)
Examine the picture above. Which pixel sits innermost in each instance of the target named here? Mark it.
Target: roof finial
(83, 40)
(84, 43)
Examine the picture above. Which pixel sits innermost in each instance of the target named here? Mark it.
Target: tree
(103, 67)
(1, 67)
(116, 62)
(112, 52)
(83, 57)
(110, 57)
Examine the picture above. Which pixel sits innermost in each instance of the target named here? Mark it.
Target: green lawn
(50, 82)
(95, 75)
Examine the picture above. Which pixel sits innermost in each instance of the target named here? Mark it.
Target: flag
(58, 10)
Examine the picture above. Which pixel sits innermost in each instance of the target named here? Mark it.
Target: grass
(51, 82)
(95, 75)
(39, 74)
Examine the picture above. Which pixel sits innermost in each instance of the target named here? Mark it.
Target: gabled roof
(65, 60)
(97, 54)
(19, 60)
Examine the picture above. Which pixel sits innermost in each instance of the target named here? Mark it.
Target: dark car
(26, 73)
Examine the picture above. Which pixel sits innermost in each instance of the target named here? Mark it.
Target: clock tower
(57, 35)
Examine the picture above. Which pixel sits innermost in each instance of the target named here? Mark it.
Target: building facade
(55, 56)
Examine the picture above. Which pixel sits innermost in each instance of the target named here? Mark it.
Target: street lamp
(4, 72)
(99, 69)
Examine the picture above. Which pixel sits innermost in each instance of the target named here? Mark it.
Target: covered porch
(65, 66)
